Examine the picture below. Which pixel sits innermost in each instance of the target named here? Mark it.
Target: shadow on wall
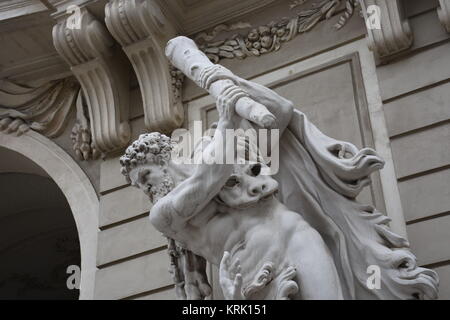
(38, 237)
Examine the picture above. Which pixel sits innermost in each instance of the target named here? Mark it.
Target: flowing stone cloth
(44, 109)
(319, 179)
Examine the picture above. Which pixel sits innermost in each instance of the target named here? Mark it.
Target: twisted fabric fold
(345, 168)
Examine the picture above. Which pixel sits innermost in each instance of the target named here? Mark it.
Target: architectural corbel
(143, 31)
(88, 49)
(388, 31)
(444, 13)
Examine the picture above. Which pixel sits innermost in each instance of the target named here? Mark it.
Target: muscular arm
(192, 196)
(280, 107)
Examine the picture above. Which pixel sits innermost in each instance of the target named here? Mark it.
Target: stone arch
(76, 187)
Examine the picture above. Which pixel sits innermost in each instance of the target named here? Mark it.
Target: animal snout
(258, 189)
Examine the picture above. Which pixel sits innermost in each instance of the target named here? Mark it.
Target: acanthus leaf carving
(89, 51)
(81, 136)
(142, 30)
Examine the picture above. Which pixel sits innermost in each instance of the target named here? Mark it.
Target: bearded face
(153, 179)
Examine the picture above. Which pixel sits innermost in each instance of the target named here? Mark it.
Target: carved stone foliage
(177, 78)
(270, 37)
(89, 51)
(394, 34)
(81, 136)
(143, 30)
(444, 13)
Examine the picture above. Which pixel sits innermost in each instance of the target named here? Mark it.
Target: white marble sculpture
(298, 234)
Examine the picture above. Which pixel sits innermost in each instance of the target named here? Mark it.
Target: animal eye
(232, 182)
(143, 175)
(255, 169)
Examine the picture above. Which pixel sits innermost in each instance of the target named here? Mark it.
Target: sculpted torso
(270, 238)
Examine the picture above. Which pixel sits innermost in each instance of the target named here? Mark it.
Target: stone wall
(131, 257)
(416, 94)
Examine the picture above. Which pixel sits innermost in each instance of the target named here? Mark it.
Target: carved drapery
(102, 75)
(142, 30)
(46, 109)
(43, 109)
(395, 35)
(444, 13)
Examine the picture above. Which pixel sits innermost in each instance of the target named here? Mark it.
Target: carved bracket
(395, 35)
(444, 13)
(89, 52)
(143, 31)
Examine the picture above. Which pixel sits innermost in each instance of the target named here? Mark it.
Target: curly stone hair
(151, 147)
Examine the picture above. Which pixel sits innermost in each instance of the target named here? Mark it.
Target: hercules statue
(296, 234)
